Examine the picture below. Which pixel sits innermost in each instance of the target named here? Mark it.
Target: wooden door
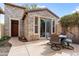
(14, 28)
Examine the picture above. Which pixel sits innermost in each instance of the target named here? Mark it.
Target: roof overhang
(34, 10)
(15, 5)
(41, 9)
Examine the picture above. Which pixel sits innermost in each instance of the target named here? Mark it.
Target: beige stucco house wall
(26, 20)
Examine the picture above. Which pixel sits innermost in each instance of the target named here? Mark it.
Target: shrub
(4, 38)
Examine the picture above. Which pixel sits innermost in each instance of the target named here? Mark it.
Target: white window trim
(39, 18)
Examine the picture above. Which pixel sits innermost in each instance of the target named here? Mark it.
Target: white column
(9, 27)
(45, 26)
(19, 28)
(39, 25)
(52, 25)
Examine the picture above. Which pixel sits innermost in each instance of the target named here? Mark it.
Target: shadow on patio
(64, 52)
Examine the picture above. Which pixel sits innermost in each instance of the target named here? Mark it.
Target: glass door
(47, 27)
(42, 28)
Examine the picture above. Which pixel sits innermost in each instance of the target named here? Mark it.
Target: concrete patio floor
(38, 48)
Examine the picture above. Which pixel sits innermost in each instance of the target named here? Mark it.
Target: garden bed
(4, 45)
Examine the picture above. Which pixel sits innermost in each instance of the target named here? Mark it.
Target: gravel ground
(4, 49)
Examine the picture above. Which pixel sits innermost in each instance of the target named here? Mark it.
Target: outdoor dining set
(61, 41)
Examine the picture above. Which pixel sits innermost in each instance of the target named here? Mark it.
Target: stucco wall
(1, 30)
(59, 28)
(74, 30)
(12, 13)
(31, 22)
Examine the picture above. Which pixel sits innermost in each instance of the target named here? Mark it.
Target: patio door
(42, 28)
(45, 27)
(14, 28)
(48, 27)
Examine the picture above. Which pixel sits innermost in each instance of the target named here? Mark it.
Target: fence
(74, 30)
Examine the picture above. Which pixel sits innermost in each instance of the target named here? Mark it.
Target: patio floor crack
(27, 50)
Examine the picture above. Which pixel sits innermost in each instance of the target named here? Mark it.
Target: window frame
(36, 24)
(53, 27)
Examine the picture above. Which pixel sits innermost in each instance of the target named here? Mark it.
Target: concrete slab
(15, 42)
(18, 48)
(18, 51)
(38, 48)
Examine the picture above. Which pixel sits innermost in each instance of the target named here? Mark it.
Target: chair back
(54, 38)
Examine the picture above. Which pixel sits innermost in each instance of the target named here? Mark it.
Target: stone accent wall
(43, 13)
(6, 26)
(31, 23)
(13, 13)
(26, 27)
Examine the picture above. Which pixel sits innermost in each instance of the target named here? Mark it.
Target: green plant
(70, 21)
(31, 7)
(4, 38)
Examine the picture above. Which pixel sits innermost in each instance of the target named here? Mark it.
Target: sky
(59, 9)
(1, 15)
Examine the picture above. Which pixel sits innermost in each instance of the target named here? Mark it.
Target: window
(36, 24)
(48, 25)
(53, 26)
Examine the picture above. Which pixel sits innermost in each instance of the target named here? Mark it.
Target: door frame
(45, 26)
(40, 27)
(13, 28)
(10, 19)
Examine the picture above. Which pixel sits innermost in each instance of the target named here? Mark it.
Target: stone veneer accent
(30, 23)
(13, 13)
(27, 26)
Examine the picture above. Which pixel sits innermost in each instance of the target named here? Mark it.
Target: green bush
(4, 38)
